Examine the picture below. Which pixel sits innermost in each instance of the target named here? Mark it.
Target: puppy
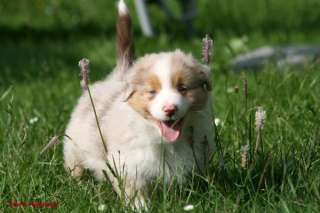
(154, 114)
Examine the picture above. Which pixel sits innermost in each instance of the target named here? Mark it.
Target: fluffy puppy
(154, 114)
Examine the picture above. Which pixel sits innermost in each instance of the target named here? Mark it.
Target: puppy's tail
(125, 49)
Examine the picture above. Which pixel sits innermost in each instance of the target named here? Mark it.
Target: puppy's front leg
(126, 189)
(136, 198)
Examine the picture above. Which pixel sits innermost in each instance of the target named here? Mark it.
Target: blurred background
(43, 36)
(98, 16)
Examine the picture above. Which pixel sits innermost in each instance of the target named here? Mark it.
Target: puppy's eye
(182, 88)
(152, 92)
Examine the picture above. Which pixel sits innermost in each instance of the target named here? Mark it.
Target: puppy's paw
(140, 204)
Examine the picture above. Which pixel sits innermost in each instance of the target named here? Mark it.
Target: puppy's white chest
(148, 163)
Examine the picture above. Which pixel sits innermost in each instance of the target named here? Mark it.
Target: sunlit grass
(40, 85)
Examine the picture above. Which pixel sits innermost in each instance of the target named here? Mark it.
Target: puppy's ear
(206, 70)
(206, 73)
(207, 86)
(128, 92)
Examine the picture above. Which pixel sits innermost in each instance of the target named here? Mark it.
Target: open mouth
(171, 129)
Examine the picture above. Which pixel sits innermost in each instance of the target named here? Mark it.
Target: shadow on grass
(29, 59)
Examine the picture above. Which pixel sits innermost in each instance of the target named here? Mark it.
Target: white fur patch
(163, 71)
(122, 8)
(167, 95)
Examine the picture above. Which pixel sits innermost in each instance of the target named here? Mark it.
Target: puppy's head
(165, 88)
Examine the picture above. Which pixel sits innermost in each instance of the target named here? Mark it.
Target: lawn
(39, 86)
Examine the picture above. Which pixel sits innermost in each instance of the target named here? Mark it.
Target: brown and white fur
(153, 111)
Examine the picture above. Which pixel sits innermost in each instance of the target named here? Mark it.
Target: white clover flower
(217, 122)
(260, 118)
(188, 207)
(234, 89)
(33, 120)
(230, 90)
(102, 207)
(238, 44)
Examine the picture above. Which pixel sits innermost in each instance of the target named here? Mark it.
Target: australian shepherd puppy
(154, 114)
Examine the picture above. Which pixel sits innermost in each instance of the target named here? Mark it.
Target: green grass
(39, 79)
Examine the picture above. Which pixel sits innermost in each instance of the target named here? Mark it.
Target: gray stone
(294, 56)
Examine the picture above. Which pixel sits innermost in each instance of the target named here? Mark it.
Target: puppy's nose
(170, 109)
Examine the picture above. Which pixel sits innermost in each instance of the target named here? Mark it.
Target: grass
(39, 86)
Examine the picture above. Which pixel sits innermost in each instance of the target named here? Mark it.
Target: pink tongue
(171, 134)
